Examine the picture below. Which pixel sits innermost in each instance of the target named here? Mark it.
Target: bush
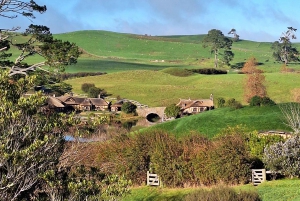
(229, 159)
(222, 193)
(209, 71)
(261, 101)
(189, 161)
(65, 76)
(284, 157)
(257, 143)
(266, 101)
(94, 92)
(128, 107)
(234, 104)
(86, 86)
(220, 102)
(255, 101)
(172, 110)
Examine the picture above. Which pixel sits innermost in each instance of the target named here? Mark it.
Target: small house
(189, 106)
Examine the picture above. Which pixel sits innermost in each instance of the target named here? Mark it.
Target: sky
(256, 20)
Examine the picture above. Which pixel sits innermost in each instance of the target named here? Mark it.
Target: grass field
(110, 52)
(277, 190)
(212, 122)
(156, 88)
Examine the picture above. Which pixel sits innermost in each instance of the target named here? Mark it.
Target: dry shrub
(190, 161)
(255, 80)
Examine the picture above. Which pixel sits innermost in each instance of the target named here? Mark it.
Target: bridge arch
(152, 112)
(153, 117)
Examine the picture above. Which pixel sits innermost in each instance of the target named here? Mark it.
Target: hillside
(210, 123)
(156, 88)
(112, 52)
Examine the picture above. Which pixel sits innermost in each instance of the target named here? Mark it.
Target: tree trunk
(216, 58)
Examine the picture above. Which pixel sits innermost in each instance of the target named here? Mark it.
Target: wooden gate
(258, 176)
(152, 179)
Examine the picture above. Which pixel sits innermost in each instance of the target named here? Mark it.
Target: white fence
(152, 179)
(258, 176)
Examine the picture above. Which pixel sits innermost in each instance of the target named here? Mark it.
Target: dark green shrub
(261, 101)
(172, 111)
(266, 101)
(209, 71)
(94, 92)
(234, 104)
(86, 86)
(255, 101)
(221, 102)
(128, 107)
(222, 194)
(65, 76)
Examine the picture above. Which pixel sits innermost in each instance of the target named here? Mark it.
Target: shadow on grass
(240, 65)
(108, 66)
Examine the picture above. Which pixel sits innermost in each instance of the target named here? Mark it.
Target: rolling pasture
(112, 52)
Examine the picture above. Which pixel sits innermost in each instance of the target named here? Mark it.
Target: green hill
(109, 52)
(212, 122)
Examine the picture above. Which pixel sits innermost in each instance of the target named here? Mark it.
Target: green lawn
(277, 190)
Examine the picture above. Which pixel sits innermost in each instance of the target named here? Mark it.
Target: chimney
(211, 97)
(99, 96)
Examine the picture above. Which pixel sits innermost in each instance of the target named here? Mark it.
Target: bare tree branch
(291, 113)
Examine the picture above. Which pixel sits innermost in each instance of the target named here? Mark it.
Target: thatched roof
(187, 103)
(86, 102)
(118, 103)
(99, 102)
(54, 102)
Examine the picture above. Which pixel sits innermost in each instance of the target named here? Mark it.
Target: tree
(13, 8)
(291, 113)
(217, 42)
(128, 107)
(236, 37)
(32, 137)
(172, 110)
(31, 141)
(86, 86)
(283, 50)
(254, 83)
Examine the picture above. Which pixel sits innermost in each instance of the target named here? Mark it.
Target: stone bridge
(148, 111)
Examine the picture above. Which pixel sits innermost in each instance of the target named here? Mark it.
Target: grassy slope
(212, 122)
(156, 88)
(112, 52)
(277, 190)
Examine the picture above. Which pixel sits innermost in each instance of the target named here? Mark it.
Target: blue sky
(257, 20)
